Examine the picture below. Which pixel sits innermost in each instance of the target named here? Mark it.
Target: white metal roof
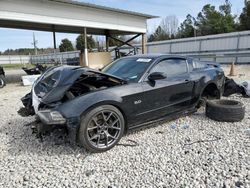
(91, 5)
(70, 16)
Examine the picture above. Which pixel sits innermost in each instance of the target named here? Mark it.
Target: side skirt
(169, 117)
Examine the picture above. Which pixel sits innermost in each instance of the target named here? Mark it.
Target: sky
(14, 38)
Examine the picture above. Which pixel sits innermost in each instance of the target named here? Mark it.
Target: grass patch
(16, 66)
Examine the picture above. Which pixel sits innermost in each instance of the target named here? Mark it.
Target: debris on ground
(247, 131)
(184, 126)
(231, 87)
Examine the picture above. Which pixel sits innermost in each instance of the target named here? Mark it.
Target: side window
(171, 67)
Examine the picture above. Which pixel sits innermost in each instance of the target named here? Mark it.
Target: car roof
(156, 56)
(149, 56)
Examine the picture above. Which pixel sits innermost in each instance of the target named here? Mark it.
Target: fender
(208, 83)
(202, 83)
(80, 105)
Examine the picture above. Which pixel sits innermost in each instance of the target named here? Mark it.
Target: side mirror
(156, 76)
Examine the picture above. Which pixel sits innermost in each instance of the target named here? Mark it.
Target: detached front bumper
(51, 117)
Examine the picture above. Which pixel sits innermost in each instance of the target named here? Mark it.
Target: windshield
(130, 69)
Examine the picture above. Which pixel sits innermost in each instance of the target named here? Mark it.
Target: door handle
(187, 80)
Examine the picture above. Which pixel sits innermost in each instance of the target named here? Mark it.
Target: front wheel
(101, 128)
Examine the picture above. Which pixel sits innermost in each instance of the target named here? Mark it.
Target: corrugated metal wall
(224, 48)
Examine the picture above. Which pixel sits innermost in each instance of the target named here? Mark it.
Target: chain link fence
(68, 58)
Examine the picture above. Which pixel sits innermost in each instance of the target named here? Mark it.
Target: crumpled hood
(68, 75)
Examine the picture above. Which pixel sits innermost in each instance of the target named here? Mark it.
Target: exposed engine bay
(88, 83)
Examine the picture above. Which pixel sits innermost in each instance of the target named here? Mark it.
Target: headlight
(56, 116)
(51, 117)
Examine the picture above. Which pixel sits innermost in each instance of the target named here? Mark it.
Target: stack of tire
(225, 110)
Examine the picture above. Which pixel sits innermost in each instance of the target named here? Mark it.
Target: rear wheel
(101, 128)
(208, 94)
(2, 81)
(202, 102)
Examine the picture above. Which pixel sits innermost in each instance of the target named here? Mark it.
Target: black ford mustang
(97, 107)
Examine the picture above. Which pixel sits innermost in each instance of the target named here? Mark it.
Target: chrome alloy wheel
(103, 129)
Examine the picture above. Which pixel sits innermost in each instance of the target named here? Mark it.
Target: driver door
(169, 95)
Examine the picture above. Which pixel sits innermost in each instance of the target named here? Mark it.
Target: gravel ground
(192, 151)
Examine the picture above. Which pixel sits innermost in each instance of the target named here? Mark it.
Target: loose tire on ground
(101, 128)
(2, 81)
(225, 110)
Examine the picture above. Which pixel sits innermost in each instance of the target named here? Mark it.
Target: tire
(2, 81)
(225, 110)
(101, 128)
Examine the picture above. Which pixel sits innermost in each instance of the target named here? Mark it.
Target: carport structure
(74, 17)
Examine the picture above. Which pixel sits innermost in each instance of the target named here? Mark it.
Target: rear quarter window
(199, 65)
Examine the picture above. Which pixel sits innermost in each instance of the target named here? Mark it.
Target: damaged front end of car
(60, 85)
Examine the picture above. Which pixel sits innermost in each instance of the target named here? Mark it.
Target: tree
(187, 27)
(80, 43)
(158, 35)
(66, 45)
(210, 21)
(170, 25)
(226, 8)
(245, 18)
(227, 18)
(27, 51)
(167, 29)
(151, 38)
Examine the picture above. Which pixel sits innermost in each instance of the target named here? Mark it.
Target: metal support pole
(86, 48)
(54, 43)
(34, 43)
(54, 38)
(107, 43)
(144, 42)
